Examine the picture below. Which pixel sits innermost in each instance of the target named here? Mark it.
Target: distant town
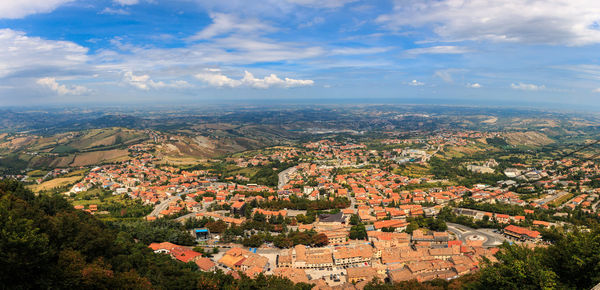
(344, 213)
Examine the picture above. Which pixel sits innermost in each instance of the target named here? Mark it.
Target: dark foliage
(45, 243)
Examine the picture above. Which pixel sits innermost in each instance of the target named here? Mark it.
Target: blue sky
(142, 51)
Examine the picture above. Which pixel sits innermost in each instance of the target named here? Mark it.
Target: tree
(217, 226)
(253, 241)
(259, 217)
(354, 219)
(575, 258)
(412, 226)
(358, 232)
(320, 240)
(46, 243)
(518, 268)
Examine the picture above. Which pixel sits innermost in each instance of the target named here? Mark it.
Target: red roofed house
(503, 218)
(205, 264)
(521, 233)
(238, 207)
(397, 224)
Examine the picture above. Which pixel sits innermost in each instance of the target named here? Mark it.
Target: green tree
(518, 268)
(354, 219)
(358, 232)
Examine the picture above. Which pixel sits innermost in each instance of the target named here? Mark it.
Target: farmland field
(54, 183)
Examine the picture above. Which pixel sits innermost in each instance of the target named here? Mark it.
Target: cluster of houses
(378, 197)
(184, 254)
(397, 256)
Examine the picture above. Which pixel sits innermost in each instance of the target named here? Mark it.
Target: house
(401, 275)
(185, 255)
(344, 256)
(295, 275)
(396, 224)
(244, 260)
(541, 224)
(336, 237)
(358, 274)
(521, 233)
(238, 207)
(164, 248)
(205, 264)
(332, 219)
(503, 218)
(302, 258)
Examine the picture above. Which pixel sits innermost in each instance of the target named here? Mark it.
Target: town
(344, 213)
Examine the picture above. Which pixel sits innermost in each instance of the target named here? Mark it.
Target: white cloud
(474, 85)
(587, 71)
(217, 79)
(416, 83)
(444, 49)
(61, 89)
(322, 3)
(596, 90)
(37, 57)
(144, 82)
(446, 74)
(112, 11)
(14, 9)
(527, 87)
(228, 23)
(570, 22)
(126, 2)
(359, 50)
(231, 50)
(315, 21)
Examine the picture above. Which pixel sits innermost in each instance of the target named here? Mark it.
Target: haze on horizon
(516, 52)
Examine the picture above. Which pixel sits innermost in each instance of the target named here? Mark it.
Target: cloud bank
(61, 89)
(527, 87)
(215, 78)
(572, 22)
(144, 82)
(14, 9)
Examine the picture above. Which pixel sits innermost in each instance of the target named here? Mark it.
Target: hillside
(48, 244)
(45, 243)
(529, 138)
(78, 148)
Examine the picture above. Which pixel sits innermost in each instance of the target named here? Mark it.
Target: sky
(160, 51)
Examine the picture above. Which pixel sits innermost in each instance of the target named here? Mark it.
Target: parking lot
(333, 277)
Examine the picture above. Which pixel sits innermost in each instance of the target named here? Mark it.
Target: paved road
(284, 177)
(462, 232)
(162, 206)
(193, 214)
(595, 205)
(295, 212)
(183, 217)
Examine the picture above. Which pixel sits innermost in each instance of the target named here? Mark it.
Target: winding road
(284, 177)
(162, 206)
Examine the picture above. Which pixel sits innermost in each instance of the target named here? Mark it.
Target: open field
(561, 200)
(412, 170)
(460, 151)
(180, 161)
(98, 157)
(37, 173)
(77, 172)
(57, 182)
(528, 138)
